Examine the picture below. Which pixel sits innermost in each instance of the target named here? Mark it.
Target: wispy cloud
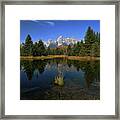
(36, 21)
(50, 23)
(42, 22)
(31, 21)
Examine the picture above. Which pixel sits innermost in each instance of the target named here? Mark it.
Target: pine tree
(89, 36)
(69, 50)
(28, 45)
(41, 48)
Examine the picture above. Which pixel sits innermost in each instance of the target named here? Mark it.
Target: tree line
(89, 47)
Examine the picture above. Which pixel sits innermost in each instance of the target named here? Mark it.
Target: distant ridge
(60, 41)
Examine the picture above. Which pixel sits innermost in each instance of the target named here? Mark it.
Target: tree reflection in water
(31, 67)
(53, 74)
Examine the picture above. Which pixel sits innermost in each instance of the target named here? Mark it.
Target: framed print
(59, 59)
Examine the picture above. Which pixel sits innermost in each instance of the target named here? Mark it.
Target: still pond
(59, 79)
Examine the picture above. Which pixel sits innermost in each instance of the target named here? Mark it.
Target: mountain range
(60, 41)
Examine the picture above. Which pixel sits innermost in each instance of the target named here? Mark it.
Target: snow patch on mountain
(60, 40)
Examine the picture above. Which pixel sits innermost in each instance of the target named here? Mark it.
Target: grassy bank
(59, 56)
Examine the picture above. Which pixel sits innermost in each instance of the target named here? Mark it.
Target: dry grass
(59, 56)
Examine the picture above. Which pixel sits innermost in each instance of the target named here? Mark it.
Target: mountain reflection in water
(59, 79)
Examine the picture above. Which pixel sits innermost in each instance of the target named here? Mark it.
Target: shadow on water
(59, 79)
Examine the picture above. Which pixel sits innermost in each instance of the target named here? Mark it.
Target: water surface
(78, 80)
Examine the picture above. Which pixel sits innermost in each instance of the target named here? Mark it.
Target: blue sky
(51, 29)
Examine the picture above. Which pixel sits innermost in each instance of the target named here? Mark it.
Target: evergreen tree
(41, 48)
(48, 51)
(22, 51)
(28, 45)
(89, 36)
(69, 50)
(92, 41)
(35, 49)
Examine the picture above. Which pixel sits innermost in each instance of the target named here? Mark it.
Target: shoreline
(59, 56)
